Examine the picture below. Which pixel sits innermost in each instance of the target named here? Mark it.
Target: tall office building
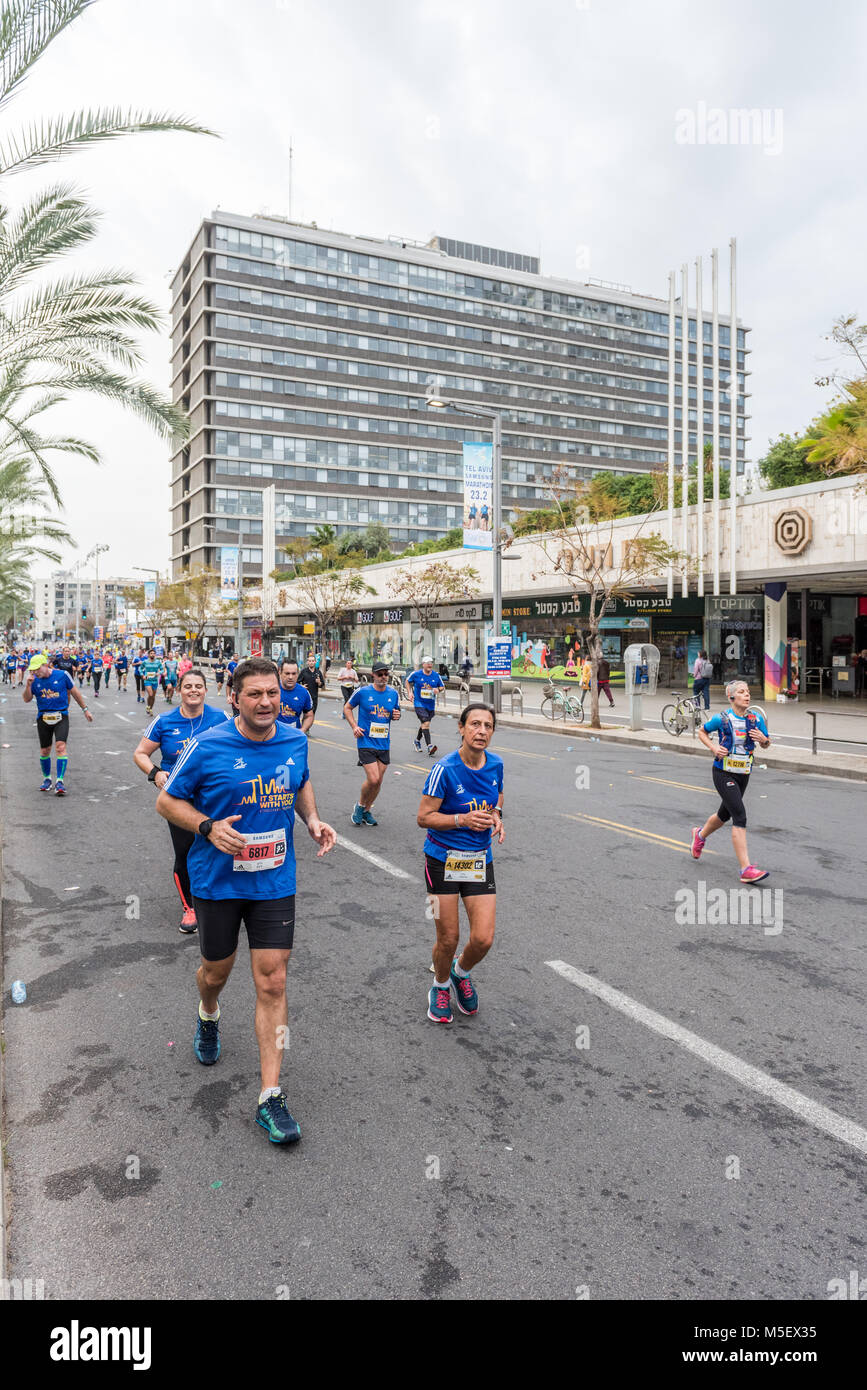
(304, 357)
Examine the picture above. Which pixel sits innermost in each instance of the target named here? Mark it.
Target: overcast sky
(549, 128)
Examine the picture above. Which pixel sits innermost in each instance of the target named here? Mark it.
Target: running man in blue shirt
(738, 731)
(151, 669)
(96, 665)
(51, 690)
(171, 675)
(237, 789)
(170, 732)
(461, 808)
(421, 688)
(296, 703)
(121, 666)
(377, 705)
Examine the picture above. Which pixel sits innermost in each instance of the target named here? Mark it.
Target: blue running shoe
(207, 1041)
(59, 789)
(357, 816)
(465, 994)
(439, 1005)
(369, 818)
(46, 785)
(281, 1125)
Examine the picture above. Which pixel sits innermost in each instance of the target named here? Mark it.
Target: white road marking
(111, 753)
(125, 717)
(375, 859)
(755, 1080)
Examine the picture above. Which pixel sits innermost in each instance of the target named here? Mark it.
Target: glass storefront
(735, 636)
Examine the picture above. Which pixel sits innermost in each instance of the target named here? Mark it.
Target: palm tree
(838, 439)
(77, 332)
(323, 536)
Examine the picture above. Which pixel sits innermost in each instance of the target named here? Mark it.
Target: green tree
(376, 539)
(785, 464)
(838, 439)
(323, 537)
(578, 546)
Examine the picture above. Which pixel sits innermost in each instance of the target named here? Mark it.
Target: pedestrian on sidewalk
(586, 677)
(701, 673)
(603, 676)
(348, 678)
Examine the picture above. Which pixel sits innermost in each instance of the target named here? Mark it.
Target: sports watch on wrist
(205, 828)
(152, 774)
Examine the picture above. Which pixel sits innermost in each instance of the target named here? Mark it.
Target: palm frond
(27, 27)
(56, 222)
(51, 139)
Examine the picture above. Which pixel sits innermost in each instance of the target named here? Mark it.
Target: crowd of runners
(231, 777)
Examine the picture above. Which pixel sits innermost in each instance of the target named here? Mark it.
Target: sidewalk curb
(646, 740)
(819, 766)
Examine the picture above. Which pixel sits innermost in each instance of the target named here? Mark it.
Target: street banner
(256, 642)
(97, 634)
(478, 492)
(150, 593)
(120, 608)
(229, 558)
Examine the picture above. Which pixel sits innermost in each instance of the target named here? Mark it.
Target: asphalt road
(510, 1155)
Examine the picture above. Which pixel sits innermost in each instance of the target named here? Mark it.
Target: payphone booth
(641, 660)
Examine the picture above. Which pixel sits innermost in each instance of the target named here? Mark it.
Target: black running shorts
(424, 715)
(731, 787)
(373, 755)
(434, 877)
(47, 732)
(270, 924)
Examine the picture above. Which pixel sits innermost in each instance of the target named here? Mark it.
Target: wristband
(457, 822)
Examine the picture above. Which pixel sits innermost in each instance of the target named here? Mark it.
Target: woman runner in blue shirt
(461, 808)
(170, 732)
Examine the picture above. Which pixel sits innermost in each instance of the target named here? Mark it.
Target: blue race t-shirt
(739, 730)
(121, 663)
(97, 663)
(52, 692)
(424, 689)
(374, 715)
(225, 774)
(294, 704)
(463, 789)
(151, 672)
(173, 731)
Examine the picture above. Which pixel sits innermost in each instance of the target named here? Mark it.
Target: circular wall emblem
(793, 531)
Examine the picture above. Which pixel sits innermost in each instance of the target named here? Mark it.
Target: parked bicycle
(557, 704)
(684, 714)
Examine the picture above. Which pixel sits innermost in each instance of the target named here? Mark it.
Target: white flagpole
(684, 433)
(714, 260)
(733, 396)
(671, 409)
(699, 434)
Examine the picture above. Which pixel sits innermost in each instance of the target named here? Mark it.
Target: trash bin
(488, 692)
(843, 680)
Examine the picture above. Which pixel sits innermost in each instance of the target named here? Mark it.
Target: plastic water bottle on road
(19, 991)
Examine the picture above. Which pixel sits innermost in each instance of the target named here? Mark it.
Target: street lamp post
(143, 569)
(483, 412)
(94, 555)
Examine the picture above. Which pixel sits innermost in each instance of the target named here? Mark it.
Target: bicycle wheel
(551, 707)
(673, 721)
(575, 710)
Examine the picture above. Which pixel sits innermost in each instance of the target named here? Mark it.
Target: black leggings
(731, 787)
(97, 677)
(181, 842)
